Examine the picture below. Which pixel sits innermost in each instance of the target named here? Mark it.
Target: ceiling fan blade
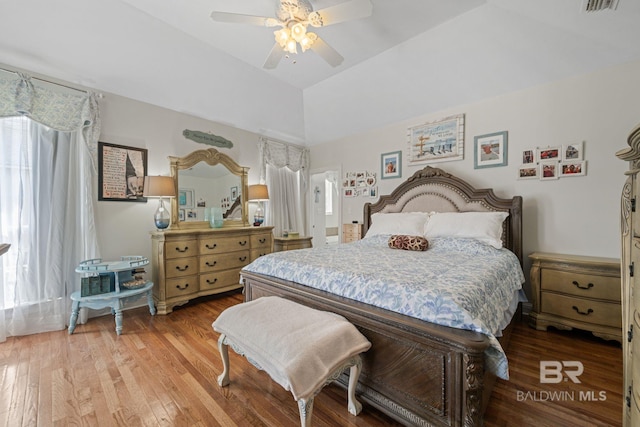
(274, 57)
(353, 9)
(238, 18)
(327, 53)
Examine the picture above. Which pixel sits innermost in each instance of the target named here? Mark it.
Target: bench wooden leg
(223, 379)
(305, 406)
(354, 406)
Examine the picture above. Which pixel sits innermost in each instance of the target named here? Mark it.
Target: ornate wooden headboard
(434, 190)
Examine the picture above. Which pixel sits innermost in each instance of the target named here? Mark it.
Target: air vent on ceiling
(596, 5)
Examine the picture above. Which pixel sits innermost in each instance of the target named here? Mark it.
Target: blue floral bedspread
(461, 283)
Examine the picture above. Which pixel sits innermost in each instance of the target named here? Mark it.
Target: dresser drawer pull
(210, 264)
(182, 268)
(588, 312)
(244, 242)
(589, 286)
(242, 258)
(264, 239)
(186, 248)
(182, 288)
(211, 282)
(210, 247)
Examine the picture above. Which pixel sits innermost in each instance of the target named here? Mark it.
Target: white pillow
(409, 223)
(483, 226)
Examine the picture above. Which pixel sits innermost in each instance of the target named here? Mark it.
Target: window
(328, 197)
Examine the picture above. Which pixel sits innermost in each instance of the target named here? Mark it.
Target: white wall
(578, 215)
(123, 227)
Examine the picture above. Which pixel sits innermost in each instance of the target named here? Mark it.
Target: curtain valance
(280, 154)
(57, 109)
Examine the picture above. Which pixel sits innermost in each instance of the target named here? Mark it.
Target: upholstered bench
(301, 348)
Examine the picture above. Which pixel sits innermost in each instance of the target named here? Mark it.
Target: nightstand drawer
(181, 267)
(582, 310)
(582, 285)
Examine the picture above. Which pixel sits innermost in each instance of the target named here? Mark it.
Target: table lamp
(160, 186)
(258, 193)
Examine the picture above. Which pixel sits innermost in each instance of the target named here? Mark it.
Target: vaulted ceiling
(408, 59)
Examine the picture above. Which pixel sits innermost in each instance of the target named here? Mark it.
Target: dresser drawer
(181, 248)
(257, 253)
(179, 267)
(582, 285)
(224, 261)
(220, 279)
(219, 245)
(583, 310)
(261, 241)
(182, 286)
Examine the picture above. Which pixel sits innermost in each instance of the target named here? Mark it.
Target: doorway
(325, 207)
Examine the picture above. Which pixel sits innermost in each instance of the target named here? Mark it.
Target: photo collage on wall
(360, 184)
(555, 162)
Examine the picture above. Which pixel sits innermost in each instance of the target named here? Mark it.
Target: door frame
(310, 198)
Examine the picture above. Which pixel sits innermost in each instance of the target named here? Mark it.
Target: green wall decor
(207, 138)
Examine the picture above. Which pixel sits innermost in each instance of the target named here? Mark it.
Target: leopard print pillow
(408, 243)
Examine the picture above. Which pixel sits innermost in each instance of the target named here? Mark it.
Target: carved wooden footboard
(416, 372)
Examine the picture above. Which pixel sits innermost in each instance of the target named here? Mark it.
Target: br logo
(553, 371)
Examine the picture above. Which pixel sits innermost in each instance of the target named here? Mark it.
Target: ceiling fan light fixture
(292, 46)
(298, 31)
(307, 41)
(282, 36)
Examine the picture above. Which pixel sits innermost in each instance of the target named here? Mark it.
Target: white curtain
(284, 170)
(47, 177)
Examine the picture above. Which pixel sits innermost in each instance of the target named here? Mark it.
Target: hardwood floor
(162, 372)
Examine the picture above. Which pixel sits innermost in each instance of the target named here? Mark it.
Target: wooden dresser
(630, 234)
(351, 232)
(572, 291)
(187, 264)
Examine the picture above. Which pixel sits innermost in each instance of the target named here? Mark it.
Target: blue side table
(112, 299)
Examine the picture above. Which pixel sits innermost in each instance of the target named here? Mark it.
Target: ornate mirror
(208, 179)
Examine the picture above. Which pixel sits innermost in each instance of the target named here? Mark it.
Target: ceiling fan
(294, 16)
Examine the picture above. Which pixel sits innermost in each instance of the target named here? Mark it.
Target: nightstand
(571, 291)
(351, 232)
(291, 243)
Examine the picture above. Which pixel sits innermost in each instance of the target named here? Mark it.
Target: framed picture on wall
(549, 170)
(121, 172)
(529, 171)
(572, 152)
(575, 168)
(490, 150)
(390, 165)
(438, 141)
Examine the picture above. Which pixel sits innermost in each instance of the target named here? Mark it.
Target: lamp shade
(258, 192)
(159, 186)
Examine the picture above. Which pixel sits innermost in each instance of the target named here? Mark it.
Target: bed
(417, 371)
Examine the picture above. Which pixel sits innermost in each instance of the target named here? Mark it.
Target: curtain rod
(49, 81)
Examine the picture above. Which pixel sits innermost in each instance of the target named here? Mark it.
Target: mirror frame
(212, 157)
